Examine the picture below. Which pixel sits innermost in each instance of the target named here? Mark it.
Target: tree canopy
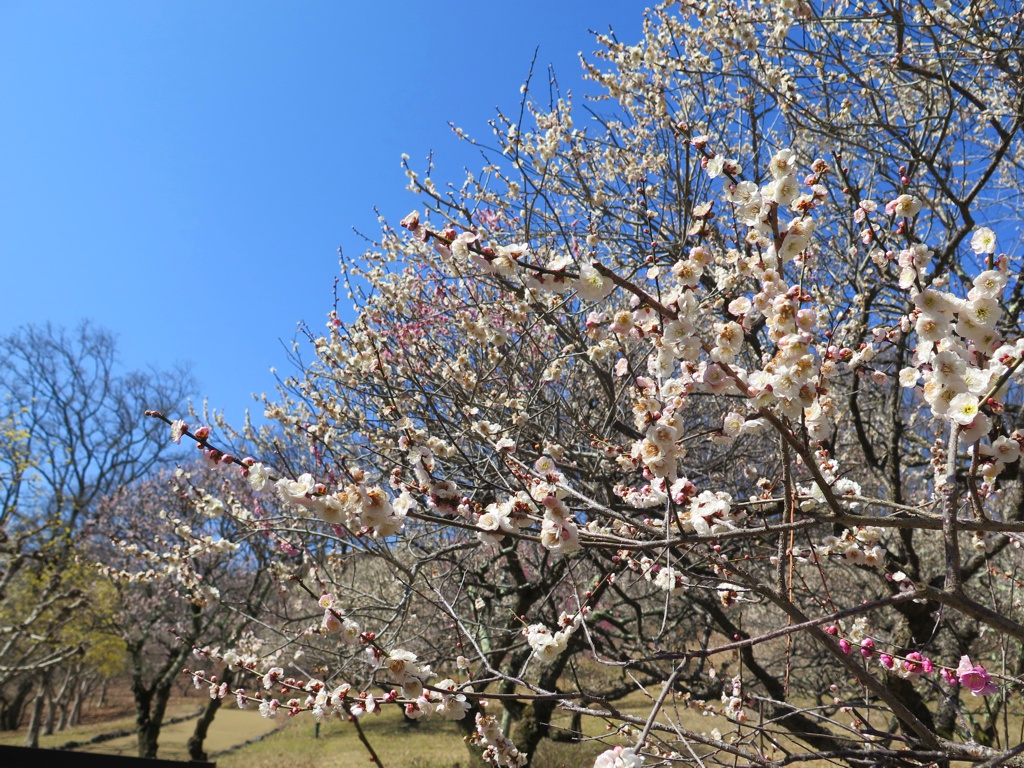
(704, 393)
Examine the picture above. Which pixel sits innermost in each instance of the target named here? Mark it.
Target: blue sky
(183, 173)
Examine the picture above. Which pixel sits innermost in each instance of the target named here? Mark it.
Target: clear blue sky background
(183, 172)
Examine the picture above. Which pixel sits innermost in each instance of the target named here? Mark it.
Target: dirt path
(230, 728)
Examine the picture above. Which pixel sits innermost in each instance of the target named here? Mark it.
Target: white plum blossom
(548, 645)
(963, 408)
(989, 284)
(983, 241)
(619, 757)
(1005, 449)
(178, 428)
(296, 492)
(257, 475)
(498, 748)
(592, 285)
(860, 546)
(905, 206)
(909, 377)
(782, 164)
(452, 705)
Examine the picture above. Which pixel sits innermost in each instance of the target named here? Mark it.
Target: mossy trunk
(532, 726)
(35, 724)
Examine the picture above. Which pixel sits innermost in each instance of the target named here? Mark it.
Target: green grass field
(293, 743)
(433, 743)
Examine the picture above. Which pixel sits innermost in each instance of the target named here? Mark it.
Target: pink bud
(867, 648)
(202, 433)
(912, 663)
(844, 644)
(886, 660)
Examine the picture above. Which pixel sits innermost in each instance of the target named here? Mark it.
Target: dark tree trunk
(532, 727)
(149, 717)
(11, 712)
(195, 742)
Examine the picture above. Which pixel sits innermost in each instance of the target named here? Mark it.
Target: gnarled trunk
(195, 742)
(150, 708)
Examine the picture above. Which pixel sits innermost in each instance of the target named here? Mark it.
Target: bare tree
(186, 581)
(75, 431)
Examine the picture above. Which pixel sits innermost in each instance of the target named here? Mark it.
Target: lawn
(433, 743)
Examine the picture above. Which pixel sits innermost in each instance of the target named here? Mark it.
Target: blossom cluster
(547, 645)
(637, 362)
(973, 677)
(499, 750)
(619, 757)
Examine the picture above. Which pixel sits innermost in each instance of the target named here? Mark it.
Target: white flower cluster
(323, 702)
(658, 452)
(498, 748)
(619, 757)
(354, 506)
(858, 545)
(734, 701)
(447, 702)
(508, 516)
(758, 208)
(334, 621)
(665, 577)
(711, 513)
(962, 358)
(958, 346)
(405, 670)
(842, 488)
(789, 380)
(558, 529)
(547, 646)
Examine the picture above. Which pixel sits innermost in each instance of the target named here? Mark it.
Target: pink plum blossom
(975, 678)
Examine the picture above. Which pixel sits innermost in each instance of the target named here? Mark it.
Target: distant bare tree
(73, 431)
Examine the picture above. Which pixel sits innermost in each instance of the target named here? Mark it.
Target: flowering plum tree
(185, 578)
(706, 396)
